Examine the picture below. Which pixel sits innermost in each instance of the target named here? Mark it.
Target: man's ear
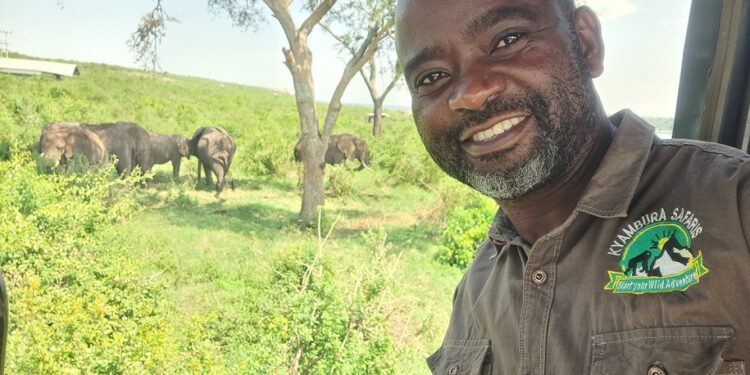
(589, 33)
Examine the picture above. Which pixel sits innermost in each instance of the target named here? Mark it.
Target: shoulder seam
(708, 147)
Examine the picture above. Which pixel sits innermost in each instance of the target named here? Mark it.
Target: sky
(643, 41)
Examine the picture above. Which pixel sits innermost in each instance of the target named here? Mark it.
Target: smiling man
(598, 261)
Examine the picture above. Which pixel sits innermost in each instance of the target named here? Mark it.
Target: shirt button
(539, 277)
(453, 370)
(656, 370)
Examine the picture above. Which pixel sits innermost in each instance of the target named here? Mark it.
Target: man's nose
(475, 89)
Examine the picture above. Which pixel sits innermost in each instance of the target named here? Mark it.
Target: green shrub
(340, 181)
(305, 321)
(78, 304)
(405, 159)
(465, 229)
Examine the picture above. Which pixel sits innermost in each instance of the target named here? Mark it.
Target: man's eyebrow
(496, 15)
(426, 54)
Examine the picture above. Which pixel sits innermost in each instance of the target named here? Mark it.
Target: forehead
(426, 23)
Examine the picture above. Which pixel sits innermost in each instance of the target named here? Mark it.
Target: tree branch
(338, 38)
(366, 51)
(394, 81)
(370, 83)
(316, 15)
(144, 42)
(280, 10)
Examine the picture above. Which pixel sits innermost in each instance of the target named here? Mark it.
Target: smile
(499, 128)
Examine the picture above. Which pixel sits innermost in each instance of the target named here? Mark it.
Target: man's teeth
(499, 128)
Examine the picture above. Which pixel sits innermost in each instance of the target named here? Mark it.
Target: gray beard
(521, 179)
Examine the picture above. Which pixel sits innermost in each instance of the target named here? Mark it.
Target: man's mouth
(497, 129)
(502, 135)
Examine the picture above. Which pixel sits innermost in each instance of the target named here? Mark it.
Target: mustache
(533, 102)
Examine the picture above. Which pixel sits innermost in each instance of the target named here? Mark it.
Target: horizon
(643, 41)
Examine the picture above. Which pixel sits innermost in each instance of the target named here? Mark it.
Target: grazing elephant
(166, 148)
(3, 321)
(215, 149)
(128, 141)
(341, 147)
(61, 140)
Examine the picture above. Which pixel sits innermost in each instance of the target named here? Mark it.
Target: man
(614, 252)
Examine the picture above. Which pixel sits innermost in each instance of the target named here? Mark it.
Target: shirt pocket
(466, 357)
(653, 351)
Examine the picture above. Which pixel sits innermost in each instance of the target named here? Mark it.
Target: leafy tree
(382, 66)
(144, 42)
(298, 59)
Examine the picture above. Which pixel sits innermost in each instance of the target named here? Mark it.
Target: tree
(381, 67)
(144, 42)
(298, 59)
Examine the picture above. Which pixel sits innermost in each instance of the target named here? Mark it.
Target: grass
(214, 253)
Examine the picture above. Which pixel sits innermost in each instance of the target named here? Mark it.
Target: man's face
(501, 95)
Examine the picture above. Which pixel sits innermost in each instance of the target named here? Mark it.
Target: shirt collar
(610, 191)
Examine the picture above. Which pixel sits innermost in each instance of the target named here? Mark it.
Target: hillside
(108, 276)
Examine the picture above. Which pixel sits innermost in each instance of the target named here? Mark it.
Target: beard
(564, 114)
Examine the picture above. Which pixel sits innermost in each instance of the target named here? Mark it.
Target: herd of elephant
(135, 146)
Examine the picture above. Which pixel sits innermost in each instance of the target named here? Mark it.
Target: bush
(340, 181)
(405, 159)
(77, 303)
(465, 230)
(304, 321)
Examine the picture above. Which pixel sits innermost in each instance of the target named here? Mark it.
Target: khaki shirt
(649, 275)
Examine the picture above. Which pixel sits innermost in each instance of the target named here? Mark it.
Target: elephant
(59, 141)
(166, 148)
(128, 141)
(341, 147)
(215, 150)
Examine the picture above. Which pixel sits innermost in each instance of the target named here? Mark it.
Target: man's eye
(508, 39)
(430, 78)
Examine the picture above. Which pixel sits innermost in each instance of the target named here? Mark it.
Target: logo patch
(658, 257)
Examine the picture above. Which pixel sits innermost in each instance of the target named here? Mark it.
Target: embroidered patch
(657, 258)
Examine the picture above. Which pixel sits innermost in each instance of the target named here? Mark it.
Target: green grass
(214, 256)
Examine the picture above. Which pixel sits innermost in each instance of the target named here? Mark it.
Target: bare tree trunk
(299, 62)
(377, 121)
(312, 180)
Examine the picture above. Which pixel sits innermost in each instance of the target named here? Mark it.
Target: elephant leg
(219, 171)
(124, 165)
(198, 181)
(207, 169)
(176, 168)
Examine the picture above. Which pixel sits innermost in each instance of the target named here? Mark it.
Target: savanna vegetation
(153, 275)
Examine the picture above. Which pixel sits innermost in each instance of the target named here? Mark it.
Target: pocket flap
(461, 357)
(678, 350)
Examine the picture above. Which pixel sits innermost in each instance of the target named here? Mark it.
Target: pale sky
(643, 38)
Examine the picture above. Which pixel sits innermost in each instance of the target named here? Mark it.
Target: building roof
(29, 67)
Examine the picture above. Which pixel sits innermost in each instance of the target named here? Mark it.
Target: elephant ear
(89, 144)
(193, 142)
(73, 140)
(183, 146)
(198, 133)
(364, 154)
(346, 146)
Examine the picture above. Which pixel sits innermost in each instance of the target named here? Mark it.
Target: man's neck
(541, 211)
